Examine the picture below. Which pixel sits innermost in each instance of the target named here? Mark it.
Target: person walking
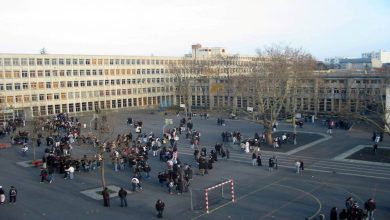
(370, 207)
(2, 195)
(122, 196)
(12, 195)
(160, 208)
(106, 197)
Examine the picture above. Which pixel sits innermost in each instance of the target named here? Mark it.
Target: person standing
(298, 165)
(254, 159)
(227, 153)
(135, 183)
(270, 164)
(343, 215)
(160, 208)
(106, 197)
(333, 214)
(258, 160)
(2, 195)
(12, 195)
(370, 206)
(70, 172)
(122, 195)
(301, 166)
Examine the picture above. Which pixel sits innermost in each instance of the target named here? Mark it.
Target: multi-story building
(47, 84)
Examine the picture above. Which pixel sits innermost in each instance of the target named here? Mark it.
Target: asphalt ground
(259, 194)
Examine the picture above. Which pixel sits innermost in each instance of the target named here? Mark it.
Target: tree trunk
(268, 132)
(102, 171)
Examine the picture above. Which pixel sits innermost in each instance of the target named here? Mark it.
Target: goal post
(215, 195)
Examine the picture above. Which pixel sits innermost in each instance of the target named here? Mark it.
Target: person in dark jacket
(12, 195)
(343, 215)
(160, 208)
(370, 206)
(333, 213)
(106, 197)
(122, 196)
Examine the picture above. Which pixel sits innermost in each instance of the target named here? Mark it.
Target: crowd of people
(128, 152)
(353, 211)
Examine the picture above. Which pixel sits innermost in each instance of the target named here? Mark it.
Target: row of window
(357, 81)
(108, 104)
(74, 61)
(98, 72)
(70, 84)
(84, 94)
(17, 61)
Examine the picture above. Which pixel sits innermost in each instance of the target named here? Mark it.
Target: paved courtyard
(328, 178)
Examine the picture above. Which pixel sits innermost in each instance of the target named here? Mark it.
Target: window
(75, 72)
(24, 61)
(81, 61)
(24, 74)
(47, 62)
(31, 61)
(53, 62)
(41, 97)
(8, 86)
(69, 84)
(56, 96)
(88, 72)
(25, 85)
(75, 83)
(68, 62)
(87, 61)
(74, 61)
(61, 61)
(82, 83)
(47, 72)
(17, 86)
(15, 61)
(40, 73)
(82, 73)
(48, 85)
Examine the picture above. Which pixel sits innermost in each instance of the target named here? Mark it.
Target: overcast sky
(325, 28)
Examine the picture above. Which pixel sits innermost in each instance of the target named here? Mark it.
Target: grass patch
(109, 191)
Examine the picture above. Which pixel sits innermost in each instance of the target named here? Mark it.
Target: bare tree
(276, 76)
(183, 72)
(372, 107)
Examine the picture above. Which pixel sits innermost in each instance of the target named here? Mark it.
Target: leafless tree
(276, 77)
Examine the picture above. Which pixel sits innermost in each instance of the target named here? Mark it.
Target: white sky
(325, 28)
